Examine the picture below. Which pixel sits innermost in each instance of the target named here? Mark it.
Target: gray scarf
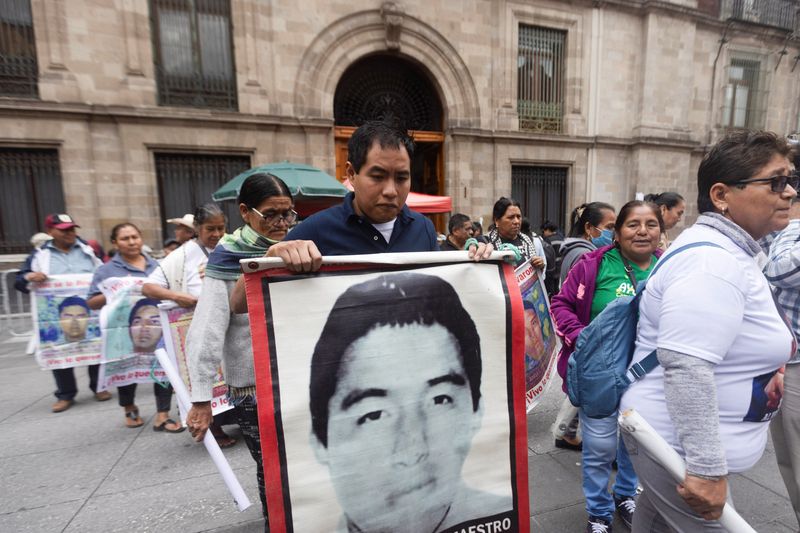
(734, 232)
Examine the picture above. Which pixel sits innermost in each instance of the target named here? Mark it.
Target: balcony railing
(774, 13)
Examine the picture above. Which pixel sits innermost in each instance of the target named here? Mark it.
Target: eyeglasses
(776, 183)
(273, 218)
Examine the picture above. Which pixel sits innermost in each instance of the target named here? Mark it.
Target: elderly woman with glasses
(720, 339)
(265, 205)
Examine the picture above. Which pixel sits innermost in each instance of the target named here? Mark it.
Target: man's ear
(349, 171)
(320, 451)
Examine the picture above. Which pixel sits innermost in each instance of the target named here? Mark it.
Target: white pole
(656, 447)
(235, 488)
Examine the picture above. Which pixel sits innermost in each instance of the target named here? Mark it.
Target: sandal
(132, 419)
(163, 426)
(223, 439)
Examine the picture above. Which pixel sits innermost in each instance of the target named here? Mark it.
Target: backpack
(597, 371)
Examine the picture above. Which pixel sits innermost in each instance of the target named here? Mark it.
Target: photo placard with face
(391, 399)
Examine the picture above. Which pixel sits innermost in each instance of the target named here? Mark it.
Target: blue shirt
(73, 262)
(339, 230)
(117, 268)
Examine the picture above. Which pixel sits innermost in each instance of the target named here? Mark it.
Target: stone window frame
(762, 92)
(569, 22)
(197, 89)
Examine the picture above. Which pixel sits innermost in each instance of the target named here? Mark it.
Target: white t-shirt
(386, 229)
(194, 261)
(716, 305)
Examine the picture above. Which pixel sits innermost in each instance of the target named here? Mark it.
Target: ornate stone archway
(374, 31)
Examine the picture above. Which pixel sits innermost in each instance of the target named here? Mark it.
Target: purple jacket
(572, 306)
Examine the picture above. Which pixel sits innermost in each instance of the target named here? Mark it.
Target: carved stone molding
(392, 17)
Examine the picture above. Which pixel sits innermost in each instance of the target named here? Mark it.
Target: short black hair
(502, 205)
(456, 221)
(626, 209)
(739, 155)
(260, 186)
(591, 212)
(667, 199)
(385, 134)
(397, 299)
(549, 225)
(144, 302)
(72, 300)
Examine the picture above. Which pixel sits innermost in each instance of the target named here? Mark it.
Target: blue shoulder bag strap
(639, 370)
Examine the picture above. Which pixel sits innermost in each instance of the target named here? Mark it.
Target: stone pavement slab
(83, 471)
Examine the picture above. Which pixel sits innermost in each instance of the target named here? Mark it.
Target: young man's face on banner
(400, 425)
(74, 320)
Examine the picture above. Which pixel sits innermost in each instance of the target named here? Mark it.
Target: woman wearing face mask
(597, 279)
(591, 226)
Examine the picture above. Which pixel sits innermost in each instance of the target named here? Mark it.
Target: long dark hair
(591, 212)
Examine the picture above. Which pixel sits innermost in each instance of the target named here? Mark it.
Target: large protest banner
(68, 331)
(391, 396)
(131, 330)
(540, 337)
(175, 322)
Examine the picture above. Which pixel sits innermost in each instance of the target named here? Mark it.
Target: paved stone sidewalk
(83, 471)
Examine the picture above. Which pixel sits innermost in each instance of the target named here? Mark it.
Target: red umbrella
(423, 203)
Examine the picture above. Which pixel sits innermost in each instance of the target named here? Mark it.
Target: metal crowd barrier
(15, 307)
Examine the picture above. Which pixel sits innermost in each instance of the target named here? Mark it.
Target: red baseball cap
(59, 221)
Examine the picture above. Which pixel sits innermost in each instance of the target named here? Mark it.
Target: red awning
(423, 203)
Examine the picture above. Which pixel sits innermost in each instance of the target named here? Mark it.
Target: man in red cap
(65, 253)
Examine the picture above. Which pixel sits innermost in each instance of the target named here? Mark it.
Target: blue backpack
(597, 371)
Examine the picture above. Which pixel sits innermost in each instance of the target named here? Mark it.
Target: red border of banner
(265, 396)
(518, 398)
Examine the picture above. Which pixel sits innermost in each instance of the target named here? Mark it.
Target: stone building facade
(641, 87)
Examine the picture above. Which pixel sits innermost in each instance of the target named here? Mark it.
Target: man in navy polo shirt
(374, 218)
(65, 253)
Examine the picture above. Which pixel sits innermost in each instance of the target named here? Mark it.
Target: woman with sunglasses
(265, 205)
(720, 339)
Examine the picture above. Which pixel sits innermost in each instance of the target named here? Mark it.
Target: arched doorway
(390, 87)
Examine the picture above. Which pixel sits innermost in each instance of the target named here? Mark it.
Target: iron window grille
(19, 73)
(193, 52)
(32, 189)
(542, 193)
(540, 78)
(186, 181)
(774, 13)
(386, 88)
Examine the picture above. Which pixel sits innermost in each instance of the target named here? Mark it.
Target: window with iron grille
(775, 13)
(743, 102)
(193, 51)
(18, 70)
(540, 78)
(542, 193)
(31, 183)
(186, 181)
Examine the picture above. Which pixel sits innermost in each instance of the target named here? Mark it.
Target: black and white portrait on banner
(392, 395)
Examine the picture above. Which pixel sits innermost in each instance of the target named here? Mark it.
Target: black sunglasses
(776, 183)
